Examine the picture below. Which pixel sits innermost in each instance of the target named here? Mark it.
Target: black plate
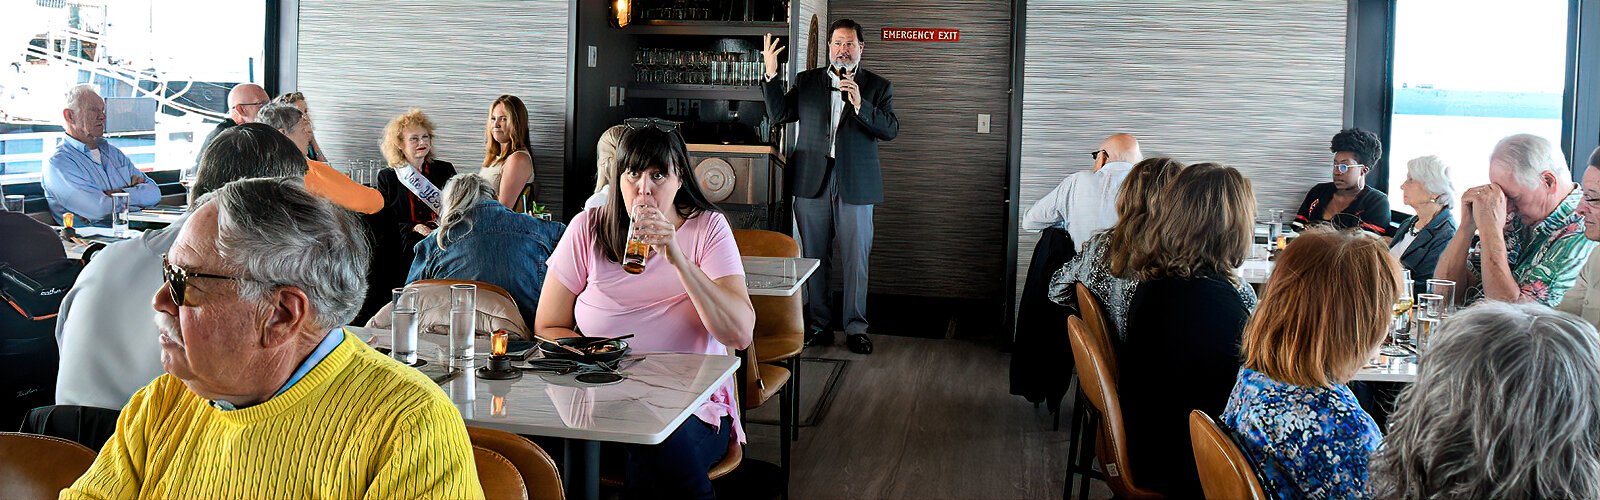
(553, 352)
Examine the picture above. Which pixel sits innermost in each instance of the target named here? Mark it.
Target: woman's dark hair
(641, 150)
(1364, 144)
(847, 23)
(247, 151)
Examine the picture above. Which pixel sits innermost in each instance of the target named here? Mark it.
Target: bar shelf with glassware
(695, 91)
(708, 28)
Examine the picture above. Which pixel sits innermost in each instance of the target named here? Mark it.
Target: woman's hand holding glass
(652, 227)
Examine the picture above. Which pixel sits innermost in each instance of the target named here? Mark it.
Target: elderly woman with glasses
(689, 296)
(1422, 237)
(1347, 201)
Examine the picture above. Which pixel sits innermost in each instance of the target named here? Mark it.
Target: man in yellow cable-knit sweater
(265, 396)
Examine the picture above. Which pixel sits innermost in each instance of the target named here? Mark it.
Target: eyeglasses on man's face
(177, 280)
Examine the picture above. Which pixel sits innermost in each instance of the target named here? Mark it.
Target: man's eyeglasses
(1346, 167)
(249, 104)
(177, 279)
(668, 126)
(1096, 154)
(845, 45)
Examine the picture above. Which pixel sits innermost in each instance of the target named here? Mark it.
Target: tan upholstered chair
(496, 309)
(1224, 470)
(1096, 320)
(539, 473)
(35, 466)
(500, 479)
(779, 336)
(1091, 354)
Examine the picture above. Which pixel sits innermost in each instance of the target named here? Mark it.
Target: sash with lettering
(420, 186)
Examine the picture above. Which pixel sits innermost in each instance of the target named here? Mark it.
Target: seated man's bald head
(1122, 147)
(244, 101)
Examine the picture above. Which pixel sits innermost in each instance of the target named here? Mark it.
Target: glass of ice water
(404, 316)
(119, 214)
(463, 321)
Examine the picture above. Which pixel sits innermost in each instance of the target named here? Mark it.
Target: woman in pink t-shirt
(691, 296)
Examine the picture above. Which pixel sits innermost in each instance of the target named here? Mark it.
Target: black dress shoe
(859, 343)
(819, 337)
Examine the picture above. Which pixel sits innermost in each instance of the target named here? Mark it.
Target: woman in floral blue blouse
(1290, 410)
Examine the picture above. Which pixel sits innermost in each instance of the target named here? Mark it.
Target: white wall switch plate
(594, 55)
(983, 123)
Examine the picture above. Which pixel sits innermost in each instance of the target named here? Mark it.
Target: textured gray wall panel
(941, 228)
(361, 62)
(1257, 85)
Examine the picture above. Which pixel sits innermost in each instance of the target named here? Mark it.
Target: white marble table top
(1392, 369)
(90, 235)
(767, 275)
(160, 214)
(661, 391)
(1256, 271)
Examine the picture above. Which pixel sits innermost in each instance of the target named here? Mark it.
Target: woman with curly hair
(1347, 201)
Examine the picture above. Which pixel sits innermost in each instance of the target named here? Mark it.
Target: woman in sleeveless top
(506, 161)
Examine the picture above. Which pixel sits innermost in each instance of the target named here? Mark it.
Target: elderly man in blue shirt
(86, 170)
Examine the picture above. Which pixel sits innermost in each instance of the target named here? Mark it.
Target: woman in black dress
(411, 188)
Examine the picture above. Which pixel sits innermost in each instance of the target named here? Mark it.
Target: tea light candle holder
(499, 367)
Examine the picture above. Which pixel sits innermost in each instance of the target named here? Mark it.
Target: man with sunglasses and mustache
(106, 354)
(844, 111)
(1347, 201)
(265, 393)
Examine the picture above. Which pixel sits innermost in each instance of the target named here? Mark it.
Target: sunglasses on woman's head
(668, 126)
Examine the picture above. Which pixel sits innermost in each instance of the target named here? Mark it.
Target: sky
(1481, 44)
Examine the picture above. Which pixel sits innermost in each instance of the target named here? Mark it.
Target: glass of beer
(636, 253)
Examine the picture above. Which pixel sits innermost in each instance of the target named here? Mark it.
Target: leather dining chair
(497, 310)
(539, 474)
(500, 479)
(1091, 354)
(35, 466)
(1082, 423)
(1224, 470)
(779, 335)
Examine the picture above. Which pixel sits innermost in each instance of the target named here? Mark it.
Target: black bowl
(619, 348)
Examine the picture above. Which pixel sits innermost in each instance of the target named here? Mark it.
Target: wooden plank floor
(924, 419)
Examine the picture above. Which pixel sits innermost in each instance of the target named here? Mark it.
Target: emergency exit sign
(921, 35)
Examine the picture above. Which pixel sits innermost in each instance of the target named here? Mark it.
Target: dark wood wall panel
(941, 228)
(1257, 85)
(362, 62)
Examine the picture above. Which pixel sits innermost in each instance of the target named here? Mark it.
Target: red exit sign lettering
(921, 35)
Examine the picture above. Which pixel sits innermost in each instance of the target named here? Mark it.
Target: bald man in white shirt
(1085, 202)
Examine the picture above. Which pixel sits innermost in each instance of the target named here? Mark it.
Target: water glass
(14, 203)
(1425, 330)
(404, 316)
(463, 321)
(119, 215)
(1446, 289)
(1430, 305)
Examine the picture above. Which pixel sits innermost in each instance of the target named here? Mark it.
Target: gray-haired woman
(1424, 236)
(480, 239)
(1506, 405)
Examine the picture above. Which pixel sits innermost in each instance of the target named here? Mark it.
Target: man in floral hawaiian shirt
(1541, 249)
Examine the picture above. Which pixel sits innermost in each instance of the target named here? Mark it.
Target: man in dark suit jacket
(833, 171)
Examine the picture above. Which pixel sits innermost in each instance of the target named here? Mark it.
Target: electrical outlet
(983, 123)
(594, 56)
(612, 93)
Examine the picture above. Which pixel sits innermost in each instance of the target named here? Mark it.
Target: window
(1468, 73)
(164, 67)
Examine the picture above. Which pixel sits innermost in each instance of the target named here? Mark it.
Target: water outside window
(164, 67)
(1468, 73)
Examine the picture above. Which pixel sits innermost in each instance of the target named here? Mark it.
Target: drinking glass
(463, 321)
(404, 320)
(119, 214)
(1431, 303)
(1425, 330)
(14, 203)
(1446, 289)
